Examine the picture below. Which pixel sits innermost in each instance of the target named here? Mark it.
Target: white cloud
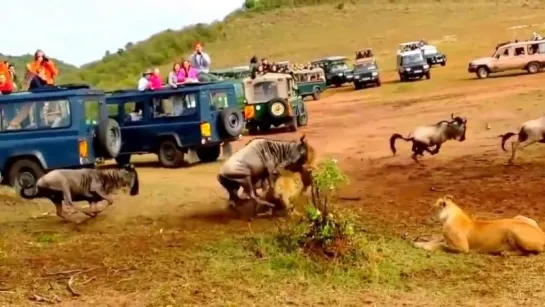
(80, 31)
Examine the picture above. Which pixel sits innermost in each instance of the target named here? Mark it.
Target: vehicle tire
(208, 154)
(231, 122)
(109, 139)
(293, 125)
(26, 170)
(264, 127)
(482, 72)
(378, 83)
(277, 108)
(401, 78)
(302, 119)
(533, 67)
(357, 86)
(169, 154)
(316, 94)
(428, 75)
(123, 159)
(338, 84)
(444, 63)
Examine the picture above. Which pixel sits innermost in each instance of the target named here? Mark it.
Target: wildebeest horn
(302, 139)
(452, 115)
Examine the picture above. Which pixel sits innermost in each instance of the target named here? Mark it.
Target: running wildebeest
(532, 131)
(258, 161)
(91, 185)
(424, 137)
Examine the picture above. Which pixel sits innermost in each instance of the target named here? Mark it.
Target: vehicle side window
(113, 111)
(541, 49)
(35, 115)
(506, 52)
(183, 104)
(218, 100)
(520, 50)
(91, 112)
(134, 111)
(239, 90)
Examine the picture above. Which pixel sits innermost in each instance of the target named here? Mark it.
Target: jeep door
(213, 102)
(177, 115)
(503, 60)
(136, 126)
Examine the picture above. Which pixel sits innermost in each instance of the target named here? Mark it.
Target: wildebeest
(258, 161)
(91, 185)
(424, 137)
(532, 131)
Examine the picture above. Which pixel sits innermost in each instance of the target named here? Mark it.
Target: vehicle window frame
(541, 48)
(214, 92)
(195, 108)
(85, 101)
(37, 114)
(128, 111)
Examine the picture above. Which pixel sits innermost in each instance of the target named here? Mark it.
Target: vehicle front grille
(364, 75)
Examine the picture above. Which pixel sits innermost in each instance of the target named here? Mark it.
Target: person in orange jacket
(6, 82)
(42, 71)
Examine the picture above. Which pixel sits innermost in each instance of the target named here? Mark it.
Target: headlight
(374, 73)
(426, 66)
(408, 69)
(340, 74)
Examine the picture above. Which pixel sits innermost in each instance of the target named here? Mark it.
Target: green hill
(303, 30)
(21, 61)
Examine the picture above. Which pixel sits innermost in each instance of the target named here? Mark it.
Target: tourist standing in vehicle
(42, 71)
(187, 73)
(13, 75)
(173, 75)
(201, 61)
(144, 83)
(6, 82)
(155, 80)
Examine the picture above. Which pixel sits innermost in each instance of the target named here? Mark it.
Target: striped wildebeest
(257, 163)
(424, 137)
(91, 185)
(532, 131)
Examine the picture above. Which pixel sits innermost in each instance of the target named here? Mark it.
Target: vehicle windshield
(265, 91)
(339, 66)
(413, 58)
(364, 66)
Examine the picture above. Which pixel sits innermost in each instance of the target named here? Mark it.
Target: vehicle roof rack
(60, 87)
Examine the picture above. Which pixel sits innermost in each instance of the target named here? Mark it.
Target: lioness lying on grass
(461, 233)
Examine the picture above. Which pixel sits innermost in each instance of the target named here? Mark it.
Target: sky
(80, 31)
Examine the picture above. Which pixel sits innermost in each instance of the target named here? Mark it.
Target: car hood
(481, 61)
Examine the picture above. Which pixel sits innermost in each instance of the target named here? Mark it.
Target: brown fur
(462, 233)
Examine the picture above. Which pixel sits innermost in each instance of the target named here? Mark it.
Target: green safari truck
(310, 82)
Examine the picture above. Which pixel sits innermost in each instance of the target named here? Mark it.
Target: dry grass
(175, 245)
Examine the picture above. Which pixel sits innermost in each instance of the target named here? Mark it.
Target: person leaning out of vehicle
(144, 83)
(187, 74)
(6, 82)
(42, 71)
(155, 80)
(201, 61)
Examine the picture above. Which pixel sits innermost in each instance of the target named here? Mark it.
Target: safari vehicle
(365, 69)
(65, 126)
(171, 121)
(411, 65)
(310, 82)
(237, 72)
(430, 52)
(272, 99)
(526, 55)
(336, 70)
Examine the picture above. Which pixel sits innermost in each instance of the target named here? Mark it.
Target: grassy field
(176, 245)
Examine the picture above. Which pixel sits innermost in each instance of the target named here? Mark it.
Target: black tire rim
(169, 152)
(233, 121)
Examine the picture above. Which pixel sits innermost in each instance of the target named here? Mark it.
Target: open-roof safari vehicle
(310, 82)
(336, 70)
(171, 121)
(430, 52)
(65, 126)
(365, 69)
(272, 99)
(527, 55)
(411, 65)
(237, 72)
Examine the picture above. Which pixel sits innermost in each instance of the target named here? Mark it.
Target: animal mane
(274, 140)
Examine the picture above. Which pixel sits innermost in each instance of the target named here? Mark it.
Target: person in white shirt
(143, 83)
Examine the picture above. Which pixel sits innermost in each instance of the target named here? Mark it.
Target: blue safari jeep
(171, 121)
(55, 127)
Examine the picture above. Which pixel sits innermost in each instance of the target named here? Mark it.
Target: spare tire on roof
(109, 139)
(231, 122)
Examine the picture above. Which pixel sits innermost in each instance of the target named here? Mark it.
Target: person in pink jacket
(187, 73)
(155, 80)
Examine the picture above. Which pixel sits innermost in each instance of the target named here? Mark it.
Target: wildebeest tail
(393, 139)
(505, 137)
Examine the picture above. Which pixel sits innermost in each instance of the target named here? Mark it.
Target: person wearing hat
(144, 83)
